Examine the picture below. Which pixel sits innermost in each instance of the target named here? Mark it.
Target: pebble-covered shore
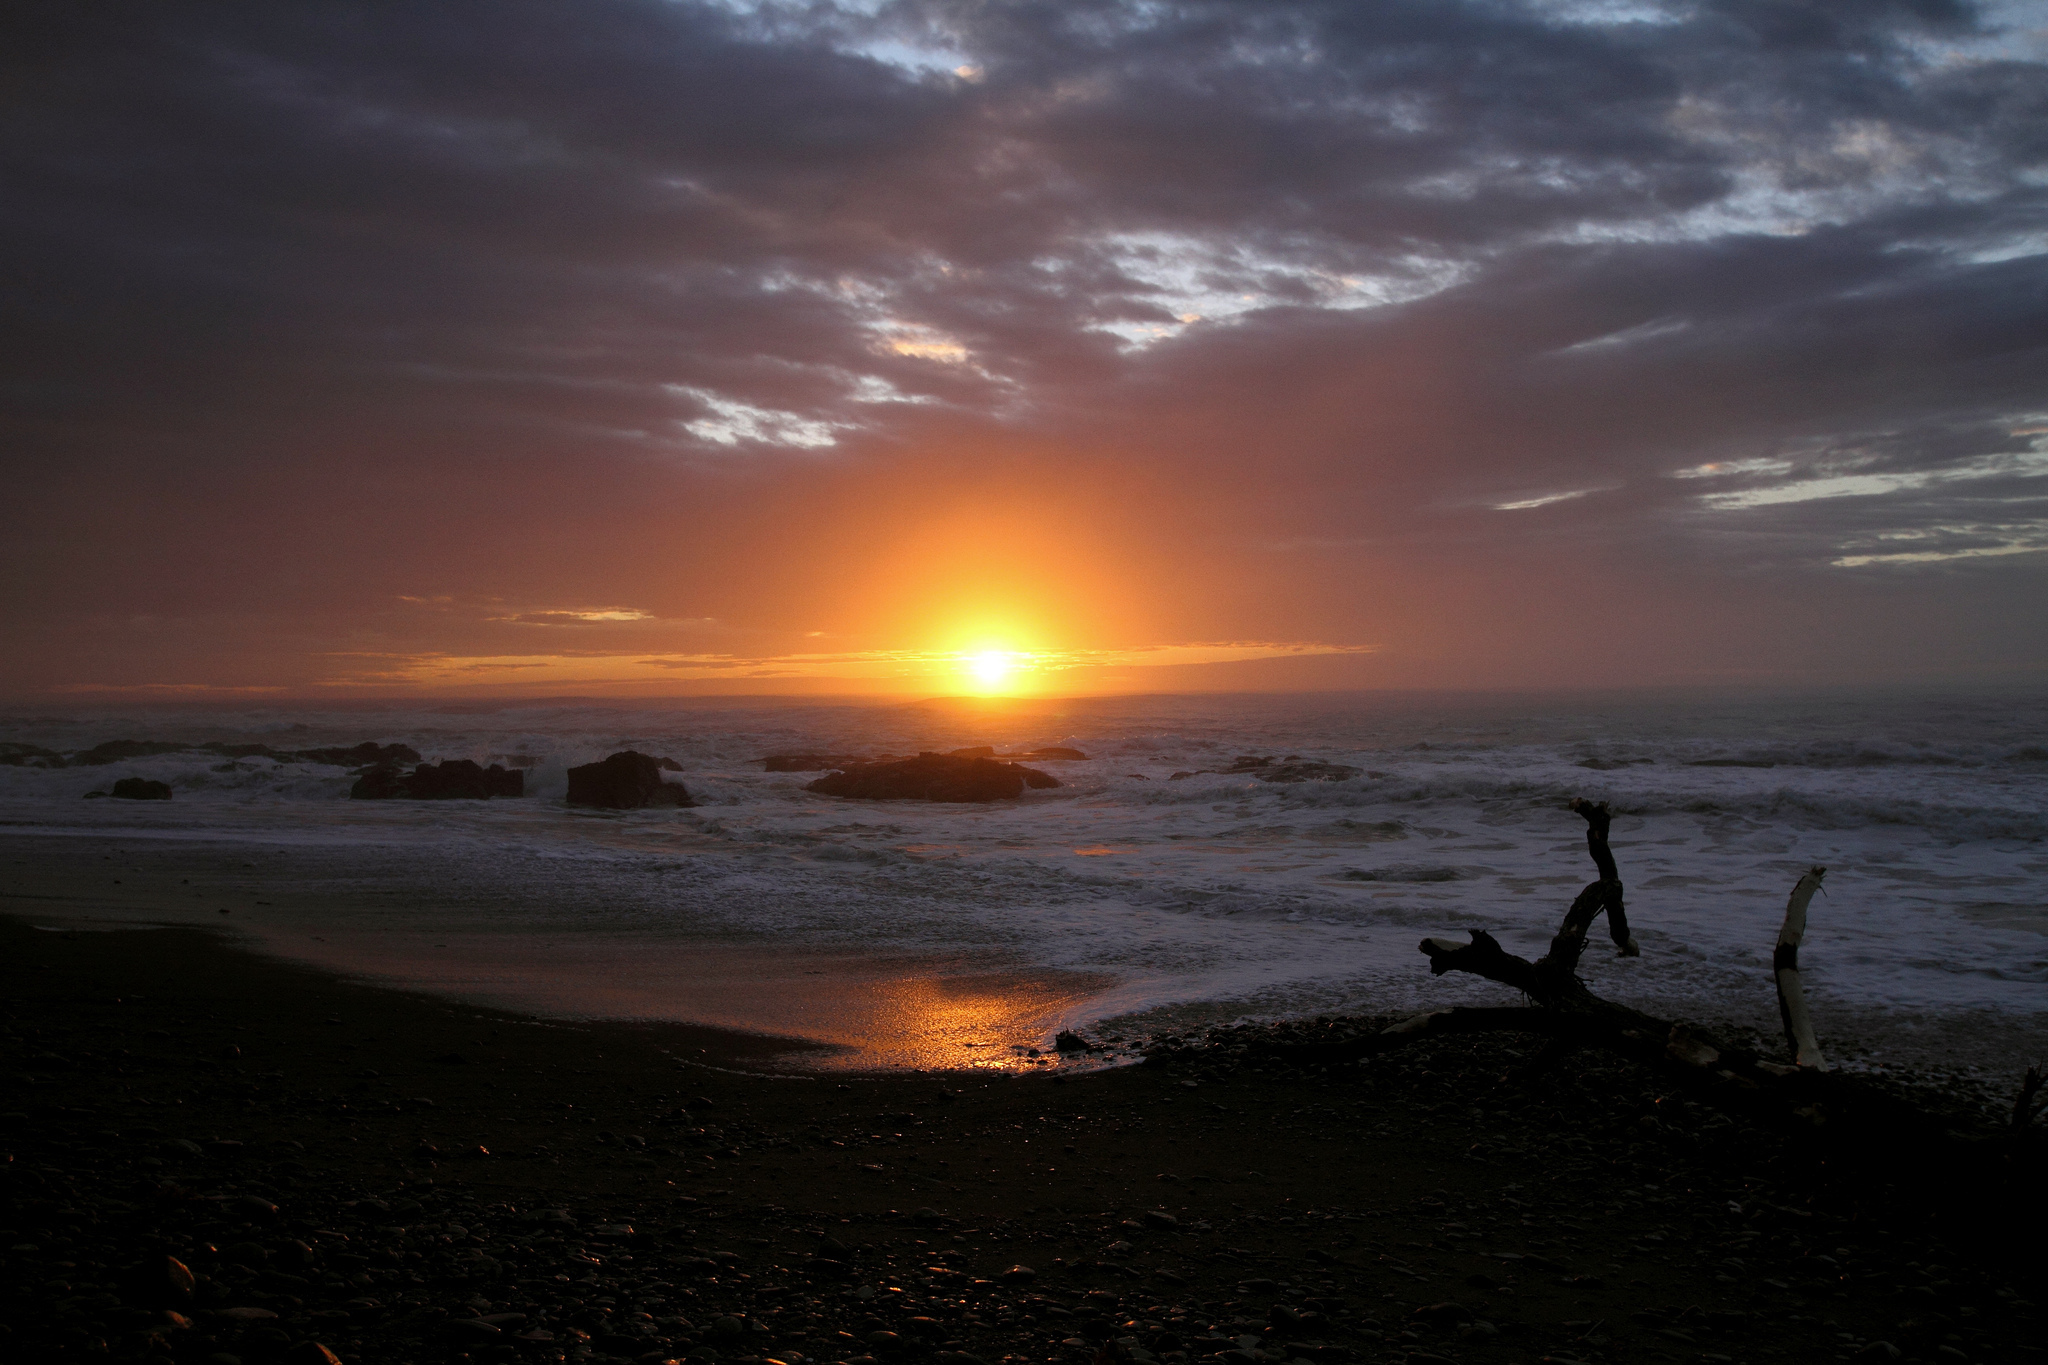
(214, 1158)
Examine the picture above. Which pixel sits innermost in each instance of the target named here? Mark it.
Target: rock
(456, 779)
(627, 780)
(160, 1282)
(141, 789)
(311, 1353)
(1052, 751)
(1018, 1274)
(469, 1330)
(378, 784)
(245, 1253)
(1070, 1041)
(1158, 1218)
(978, 751)
(1878, 1353)
(1292, 768)
(246, 1314)
(460, 779)
(1442, 1315)
(933, 777)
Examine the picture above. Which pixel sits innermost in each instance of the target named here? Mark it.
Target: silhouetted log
(1598, 818)
(1792, 1010)
(627, 780)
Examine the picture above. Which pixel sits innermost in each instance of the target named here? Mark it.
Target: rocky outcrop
(140, 789)
(628, 780)
(933, 777)
(457, 779)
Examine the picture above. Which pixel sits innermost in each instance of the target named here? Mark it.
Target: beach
(391, 1176)
(1159, 887)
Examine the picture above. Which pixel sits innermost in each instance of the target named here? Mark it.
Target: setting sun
(991, 669)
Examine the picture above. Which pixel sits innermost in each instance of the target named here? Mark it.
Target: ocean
(1128, 901)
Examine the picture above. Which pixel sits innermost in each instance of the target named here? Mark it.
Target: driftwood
(1841, 1111)
(1785, 970)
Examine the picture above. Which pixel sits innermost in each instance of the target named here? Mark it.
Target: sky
(650, 347)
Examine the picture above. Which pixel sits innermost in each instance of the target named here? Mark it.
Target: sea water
(1152, 888)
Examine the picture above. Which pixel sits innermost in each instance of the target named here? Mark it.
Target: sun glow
(993, 670)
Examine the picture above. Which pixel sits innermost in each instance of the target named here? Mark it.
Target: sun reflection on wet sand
(937, 1013)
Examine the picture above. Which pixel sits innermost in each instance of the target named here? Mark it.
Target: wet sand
(395, 1177)
(871, 1008)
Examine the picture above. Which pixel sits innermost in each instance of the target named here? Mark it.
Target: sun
(991, 668)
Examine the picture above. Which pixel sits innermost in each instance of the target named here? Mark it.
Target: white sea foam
(1216, 889)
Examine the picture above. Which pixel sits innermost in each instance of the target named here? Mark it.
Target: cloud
(717, 307)
(595, 616)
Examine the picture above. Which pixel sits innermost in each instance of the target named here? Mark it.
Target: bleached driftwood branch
(1792, 1009)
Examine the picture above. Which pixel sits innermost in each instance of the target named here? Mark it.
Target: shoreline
(332, 910)
(382, 1171)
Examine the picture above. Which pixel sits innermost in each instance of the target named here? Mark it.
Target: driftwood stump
(1839, 1110)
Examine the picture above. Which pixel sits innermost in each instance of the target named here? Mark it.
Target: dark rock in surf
(1052, 751)
(627, 780)
(141, 789)
(461, 779)
(378, 784)
(978, 751)
(457, 779)
(933, 777)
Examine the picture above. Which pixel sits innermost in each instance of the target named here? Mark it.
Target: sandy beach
(392, 1177)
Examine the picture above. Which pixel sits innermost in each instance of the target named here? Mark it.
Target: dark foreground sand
(393, 1178)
